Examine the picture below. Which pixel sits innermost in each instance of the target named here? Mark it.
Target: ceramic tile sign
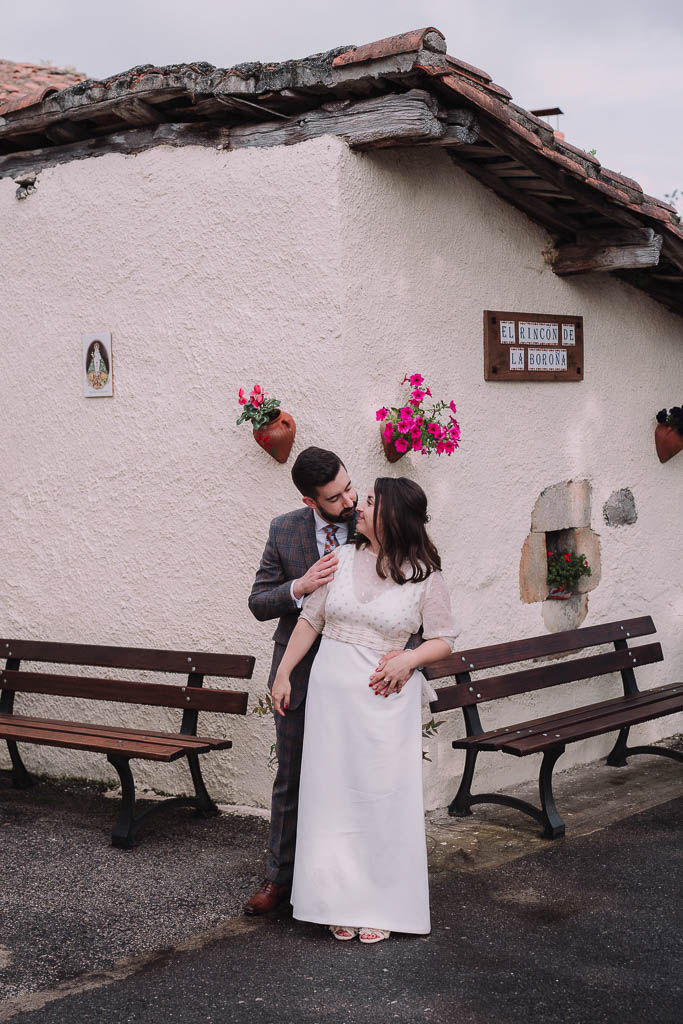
(532, 346)
(97, 365)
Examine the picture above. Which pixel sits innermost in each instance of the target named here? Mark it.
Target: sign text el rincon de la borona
(532, 346)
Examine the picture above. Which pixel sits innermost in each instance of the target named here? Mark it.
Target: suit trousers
(289, 739)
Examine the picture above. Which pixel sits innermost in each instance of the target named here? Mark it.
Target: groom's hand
(383, 686)
(320, 573)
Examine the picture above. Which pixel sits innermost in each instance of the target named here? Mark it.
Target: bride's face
(366, 513)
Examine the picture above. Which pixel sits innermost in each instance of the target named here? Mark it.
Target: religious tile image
(97, 365)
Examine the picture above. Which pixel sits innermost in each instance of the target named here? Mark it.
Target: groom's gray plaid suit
(291, 549)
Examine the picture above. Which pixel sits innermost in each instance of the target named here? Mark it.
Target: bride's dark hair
(399, 519)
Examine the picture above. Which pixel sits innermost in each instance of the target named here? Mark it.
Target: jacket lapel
(309, 544)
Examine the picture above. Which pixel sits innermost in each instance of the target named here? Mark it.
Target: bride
(361, 856)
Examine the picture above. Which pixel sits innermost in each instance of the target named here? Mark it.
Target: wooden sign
(532, 346)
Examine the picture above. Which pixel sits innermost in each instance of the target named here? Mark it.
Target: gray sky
(616, 69)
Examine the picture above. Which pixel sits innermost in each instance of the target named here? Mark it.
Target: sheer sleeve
(438, 620)
(313, 608)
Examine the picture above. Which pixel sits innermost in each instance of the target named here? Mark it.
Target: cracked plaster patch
(620, 508)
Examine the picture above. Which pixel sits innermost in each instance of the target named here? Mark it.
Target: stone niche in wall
(561, 520)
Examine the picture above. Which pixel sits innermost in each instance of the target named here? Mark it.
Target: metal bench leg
(205, 805)
(461, 805)
(21, 779)
(553, 823)
(124, 830)
(619, 752)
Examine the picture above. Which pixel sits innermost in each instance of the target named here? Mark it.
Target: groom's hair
(314, 467)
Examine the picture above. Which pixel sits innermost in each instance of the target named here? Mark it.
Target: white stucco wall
(323, 275)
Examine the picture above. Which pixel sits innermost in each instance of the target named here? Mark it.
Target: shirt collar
(321, 524)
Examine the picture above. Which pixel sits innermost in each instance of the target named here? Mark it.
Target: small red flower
(567, 558)
(550, 554)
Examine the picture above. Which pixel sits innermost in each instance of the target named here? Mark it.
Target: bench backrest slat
(540, 646)
(492, 687)
(236, 666)
(127, 691)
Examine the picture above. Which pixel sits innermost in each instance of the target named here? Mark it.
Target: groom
(299, 557)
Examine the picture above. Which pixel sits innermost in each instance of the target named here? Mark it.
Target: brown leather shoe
(267, 897)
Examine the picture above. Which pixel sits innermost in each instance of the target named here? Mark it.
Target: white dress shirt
(321, 540)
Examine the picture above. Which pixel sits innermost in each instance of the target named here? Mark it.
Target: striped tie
(331, 541)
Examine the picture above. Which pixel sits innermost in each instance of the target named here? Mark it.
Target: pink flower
(382, 413)
(416, 380)
(451, 406)
(388, 432)
(427, 392)
(404, 426)
(417, 444)
(419, 420)
(256, 400)
(448, 447)
(416, 396)
(415, 432)
(240, 398)
(406, 412)
(436, 430)
(257, 390)
(440, 447)
(401, 445)
(454, 431)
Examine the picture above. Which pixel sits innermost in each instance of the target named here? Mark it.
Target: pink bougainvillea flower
(401, 445)
(240, 398)
(388, 432)
(416, 380)
(382, 413)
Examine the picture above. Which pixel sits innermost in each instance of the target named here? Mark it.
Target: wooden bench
(550, 735)
(120, 744)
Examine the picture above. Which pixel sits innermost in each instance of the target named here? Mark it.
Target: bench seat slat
(132, 747)
(539, 646)
(512, 683)
(127, 691)
(119, 732)
(237, 666)
(496, 738)
(609, 722)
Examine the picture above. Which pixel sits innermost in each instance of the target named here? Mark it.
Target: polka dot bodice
(360, 607)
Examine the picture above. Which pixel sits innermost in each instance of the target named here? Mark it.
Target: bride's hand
(281, 692)
(392, 673)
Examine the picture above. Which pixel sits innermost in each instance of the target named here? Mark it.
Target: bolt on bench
(120, 744)
(550, 735)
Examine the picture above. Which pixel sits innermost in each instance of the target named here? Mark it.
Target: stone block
(587, 543)
(533, 569)
(563, 506)
(561, 615)
(620, 508)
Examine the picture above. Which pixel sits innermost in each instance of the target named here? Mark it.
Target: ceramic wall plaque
(97, 365)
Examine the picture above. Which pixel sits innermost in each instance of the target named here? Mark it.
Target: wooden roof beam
(605, 251)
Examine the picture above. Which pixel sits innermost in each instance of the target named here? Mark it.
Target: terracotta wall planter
(668, 442)
(389, 446)
(277, 437)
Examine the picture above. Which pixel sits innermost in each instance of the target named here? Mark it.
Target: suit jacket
(291, 549)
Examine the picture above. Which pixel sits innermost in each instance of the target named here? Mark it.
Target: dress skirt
(361, 853)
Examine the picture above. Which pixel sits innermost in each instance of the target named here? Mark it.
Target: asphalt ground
(585, 929)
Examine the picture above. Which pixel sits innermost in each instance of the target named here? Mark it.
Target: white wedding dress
(361, 855)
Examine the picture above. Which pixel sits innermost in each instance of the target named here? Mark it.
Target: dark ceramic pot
(389, 446)
(668, 442)
(277, 437)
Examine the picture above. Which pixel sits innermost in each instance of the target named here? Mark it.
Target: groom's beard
(344, 517)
